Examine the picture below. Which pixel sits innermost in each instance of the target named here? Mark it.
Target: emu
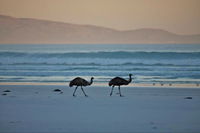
(117, 81)
(80, 82)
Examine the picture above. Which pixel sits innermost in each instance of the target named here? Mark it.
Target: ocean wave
(97, 64)
(115, 54)
(101, 58)
(53, 63)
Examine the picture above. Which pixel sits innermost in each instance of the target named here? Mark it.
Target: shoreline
(105, 84)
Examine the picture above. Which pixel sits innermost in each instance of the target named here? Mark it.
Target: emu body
(80, 82)
(118, 81)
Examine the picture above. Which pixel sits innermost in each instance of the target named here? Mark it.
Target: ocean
(179, 64)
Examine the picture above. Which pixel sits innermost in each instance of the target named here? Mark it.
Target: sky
(178, 16)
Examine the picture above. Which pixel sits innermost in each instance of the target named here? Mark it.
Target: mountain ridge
(36, 31)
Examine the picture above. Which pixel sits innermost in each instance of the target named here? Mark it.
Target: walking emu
(80, 82)
(117, 81)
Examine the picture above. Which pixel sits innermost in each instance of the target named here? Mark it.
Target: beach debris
(12, 122)
(4, 94)
(154, 84)
(170, 84)
(161, 84)
(197, 84)
(188, 98)
(12, 96)
(7, 91)
(152, 123)
(57, 90)
(154, 127)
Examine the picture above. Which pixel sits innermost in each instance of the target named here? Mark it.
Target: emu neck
(91, 81)
(130, 79)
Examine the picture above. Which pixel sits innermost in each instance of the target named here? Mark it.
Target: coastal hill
(34, 31)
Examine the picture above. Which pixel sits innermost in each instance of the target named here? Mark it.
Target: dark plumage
(80, 82)
(117, 81)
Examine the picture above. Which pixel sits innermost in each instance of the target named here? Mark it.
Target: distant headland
(35, 31)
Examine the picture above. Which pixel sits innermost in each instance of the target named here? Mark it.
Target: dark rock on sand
(57, 90)
(188, 98)
(7, 91)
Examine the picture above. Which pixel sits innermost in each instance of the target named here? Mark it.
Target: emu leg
(112, 90)
(84, 92)
(120, 92)
(75, 91)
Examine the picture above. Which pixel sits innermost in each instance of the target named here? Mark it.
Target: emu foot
(110, 94)
(86, 95)
(121, 95)
(74, 95)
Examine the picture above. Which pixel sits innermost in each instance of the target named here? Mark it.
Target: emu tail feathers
(110, 83)
(70, 84)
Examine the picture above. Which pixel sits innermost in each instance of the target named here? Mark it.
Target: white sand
(36, 108)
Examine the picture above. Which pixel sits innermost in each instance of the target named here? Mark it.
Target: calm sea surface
(61, 63)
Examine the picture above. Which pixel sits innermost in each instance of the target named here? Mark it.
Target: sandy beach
(38, 108)
(151, 49)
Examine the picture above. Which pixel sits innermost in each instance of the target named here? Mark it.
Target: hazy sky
(178, 16)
